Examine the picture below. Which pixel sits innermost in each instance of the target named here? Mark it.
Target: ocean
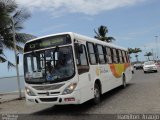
(9, 84)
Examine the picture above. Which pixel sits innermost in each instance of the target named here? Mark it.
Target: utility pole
(145, 52)
(16, 53)
(152, 54)
(157, 47)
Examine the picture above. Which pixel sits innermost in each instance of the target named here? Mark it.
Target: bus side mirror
(80, 49)
(17, 59)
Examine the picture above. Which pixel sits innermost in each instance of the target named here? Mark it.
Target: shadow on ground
(80, 109)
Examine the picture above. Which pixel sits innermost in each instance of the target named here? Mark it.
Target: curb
(3, 97)
(11, 100)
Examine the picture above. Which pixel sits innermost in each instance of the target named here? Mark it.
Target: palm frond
(109, 39)
(102, 30)
(10, 46)
(8, 5)
(96, 33)
(9, 9)
(21, 15)
(23, 37)
(2, 59)
(20, 49)
(10, 65)
(101, 34)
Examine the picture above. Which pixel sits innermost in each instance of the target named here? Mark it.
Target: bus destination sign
(47, 42)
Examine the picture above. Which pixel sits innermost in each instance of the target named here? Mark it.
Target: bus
(69, 68)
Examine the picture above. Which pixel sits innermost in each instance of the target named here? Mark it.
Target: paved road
(142, 95)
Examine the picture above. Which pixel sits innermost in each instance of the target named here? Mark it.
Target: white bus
(68, 68)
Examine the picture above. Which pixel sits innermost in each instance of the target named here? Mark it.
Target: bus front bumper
(73, 98)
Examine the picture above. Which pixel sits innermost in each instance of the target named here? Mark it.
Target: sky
(133, 23)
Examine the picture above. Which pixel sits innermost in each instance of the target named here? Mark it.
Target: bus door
(83, 71)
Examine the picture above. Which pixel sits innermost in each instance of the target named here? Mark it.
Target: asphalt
(141, 96)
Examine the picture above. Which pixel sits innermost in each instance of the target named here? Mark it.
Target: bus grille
(46, 94)
(48, 99)
(48, 87)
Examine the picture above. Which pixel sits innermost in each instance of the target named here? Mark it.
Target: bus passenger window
(108, 55)
(92, 53)
(127, 57)
(124, 57)
(114, 56)
(101, 54)
(120, 56)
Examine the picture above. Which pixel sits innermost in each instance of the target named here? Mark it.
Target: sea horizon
(9, 84)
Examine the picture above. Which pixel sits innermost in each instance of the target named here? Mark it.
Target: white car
(138, 66)
(149, 67)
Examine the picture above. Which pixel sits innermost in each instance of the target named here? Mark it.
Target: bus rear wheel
(97, 94)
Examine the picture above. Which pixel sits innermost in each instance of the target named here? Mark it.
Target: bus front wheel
(97, 94)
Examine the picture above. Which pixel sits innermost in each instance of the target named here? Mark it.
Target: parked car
(138, 66)
(149, 67)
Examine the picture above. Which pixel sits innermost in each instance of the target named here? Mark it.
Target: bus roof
(83, 38)
(89, 39)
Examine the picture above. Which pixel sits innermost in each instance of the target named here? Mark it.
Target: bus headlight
(29, 92)
(69, 89)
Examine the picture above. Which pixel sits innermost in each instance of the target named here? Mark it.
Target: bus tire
(97, 94)
(124, 84)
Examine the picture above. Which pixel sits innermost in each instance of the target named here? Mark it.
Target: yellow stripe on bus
(118, 69)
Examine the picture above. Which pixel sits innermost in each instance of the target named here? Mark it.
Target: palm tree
(130, 50)
(101, 34)
(136, 51)
(148, 54)
(8, 10)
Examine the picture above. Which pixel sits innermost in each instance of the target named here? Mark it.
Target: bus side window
(92, 53)
(101, 54)
(108, 55)
(114, 57)
(82, 62)
(124, 57)
(120, 56)
(127, 57)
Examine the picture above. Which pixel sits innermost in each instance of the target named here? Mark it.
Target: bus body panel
(110, 76)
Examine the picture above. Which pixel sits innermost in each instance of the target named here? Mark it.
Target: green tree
(8, 11)
(135, 51)
(101, 34)
(148, 54)
(130, 50)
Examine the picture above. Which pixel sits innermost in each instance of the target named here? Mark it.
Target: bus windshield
(49, 65)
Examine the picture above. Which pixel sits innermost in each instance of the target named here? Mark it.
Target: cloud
(52, 27)
(87, 7)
